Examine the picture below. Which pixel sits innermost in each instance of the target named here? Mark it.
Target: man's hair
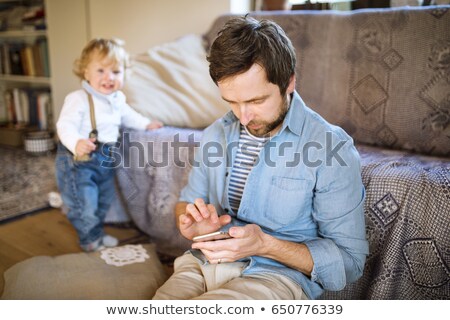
(245, 41)
(106, 48)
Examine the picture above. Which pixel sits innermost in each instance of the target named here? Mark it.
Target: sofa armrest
(154, 168)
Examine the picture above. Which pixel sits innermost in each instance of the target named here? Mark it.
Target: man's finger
(185, 221)
(202, 208)
(216, 245)
(237, 232)
(192, 210)
(224, 220)
(213, 213)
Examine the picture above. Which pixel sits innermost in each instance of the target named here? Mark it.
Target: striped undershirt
(246, 156)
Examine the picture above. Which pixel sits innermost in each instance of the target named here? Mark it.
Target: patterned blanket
(407, 211)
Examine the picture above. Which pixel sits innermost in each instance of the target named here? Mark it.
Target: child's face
(104, 75)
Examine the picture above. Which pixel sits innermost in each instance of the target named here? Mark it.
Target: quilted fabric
(407, 213)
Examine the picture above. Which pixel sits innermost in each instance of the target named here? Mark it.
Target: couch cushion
(171, 83)
(87, 275)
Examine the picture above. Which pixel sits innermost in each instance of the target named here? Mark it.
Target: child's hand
(84, 146)
(154, 125)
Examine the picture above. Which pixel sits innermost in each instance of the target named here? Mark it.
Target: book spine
(30, 61)
(25, 66)
(43, 47)
(24, 103)
(15, 58)
(6, 60)
(3, 109)
(43, 101)
(37, 59)
(10, 107)
(17, 105)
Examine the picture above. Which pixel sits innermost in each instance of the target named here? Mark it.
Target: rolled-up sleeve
(338, 209)
(197, 186)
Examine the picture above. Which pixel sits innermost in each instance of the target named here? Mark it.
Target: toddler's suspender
(93, 133)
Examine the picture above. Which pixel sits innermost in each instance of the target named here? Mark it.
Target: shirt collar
(294, 119)
(108, 98)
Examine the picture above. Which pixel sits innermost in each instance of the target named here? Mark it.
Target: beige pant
(225, 281)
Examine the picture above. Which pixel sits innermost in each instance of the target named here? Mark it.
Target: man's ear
(291, 86)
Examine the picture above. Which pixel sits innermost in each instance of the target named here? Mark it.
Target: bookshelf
(24, 79)
(25, 83)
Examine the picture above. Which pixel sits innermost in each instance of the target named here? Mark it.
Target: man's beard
(268, 127)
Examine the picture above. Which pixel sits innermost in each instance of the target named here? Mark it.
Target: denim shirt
(306, 188)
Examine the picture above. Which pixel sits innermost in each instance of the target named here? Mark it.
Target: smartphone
(218, 235)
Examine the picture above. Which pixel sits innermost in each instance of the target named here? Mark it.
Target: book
(33, 108)
(17, 105)
(44, 110)
(3, 110)
(25, 104)
(10, 107)
(29, 60)
(37, 60)
(15, 58)
(43, 48)
(2, 70)
(34, 18)
(5, 59)
(25, 66)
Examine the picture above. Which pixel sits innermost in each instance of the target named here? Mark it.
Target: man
(297, 227)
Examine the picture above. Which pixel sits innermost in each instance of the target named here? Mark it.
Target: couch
(384, 76)
(381, 74)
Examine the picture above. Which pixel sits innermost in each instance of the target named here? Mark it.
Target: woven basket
(39, 142)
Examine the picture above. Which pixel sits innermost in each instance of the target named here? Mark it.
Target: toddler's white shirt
(111, 111)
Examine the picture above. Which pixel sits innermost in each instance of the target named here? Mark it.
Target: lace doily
(121, 256)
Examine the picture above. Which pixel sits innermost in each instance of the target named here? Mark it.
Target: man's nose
(246, 114)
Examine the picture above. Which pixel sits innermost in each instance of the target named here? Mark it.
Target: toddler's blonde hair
(106, 48)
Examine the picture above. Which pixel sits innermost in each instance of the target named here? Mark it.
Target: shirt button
(226, 210)
(226, 174)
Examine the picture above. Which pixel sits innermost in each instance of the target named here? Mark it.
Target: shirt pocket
(288, 202)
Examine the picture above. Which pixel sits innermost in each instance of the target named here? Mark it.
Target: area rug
(25, 181)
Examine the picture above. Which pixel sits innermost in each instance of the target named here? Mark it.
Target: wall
(141, 23)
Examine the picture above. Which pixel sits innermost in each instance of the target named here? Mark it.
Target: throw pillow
(171, 83)
(127, 272)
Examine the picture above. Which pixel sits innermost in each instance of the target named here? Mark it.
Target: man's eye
(100, 70)
(117, 72)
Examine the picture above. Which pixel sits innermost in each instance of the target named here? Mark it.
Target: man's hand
(85, 146)
(199, 218)
(247, 241)
(154, 125)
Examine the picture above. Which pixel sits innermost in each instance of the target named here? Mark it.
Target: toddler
(88, 127)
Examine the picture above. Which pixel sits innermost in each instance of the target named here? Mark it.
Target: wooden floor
(44, 233)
